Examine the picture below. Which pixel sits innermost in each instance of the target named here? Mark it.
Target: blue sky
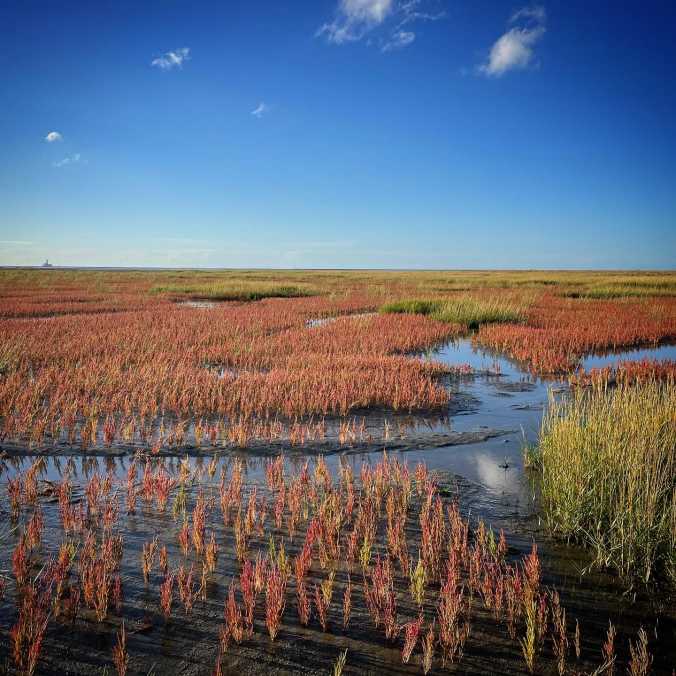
(338, 133)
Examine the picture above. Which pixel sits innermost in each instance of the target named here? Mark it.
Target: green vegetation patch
(466, 310)
(607, 462)
(233, 292)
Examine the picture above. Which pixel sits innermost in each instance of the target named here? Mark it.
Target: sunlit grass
(466, 310)
(241, 291)
(622, 291)
(614, 291)
(607, 459)
(626, 286)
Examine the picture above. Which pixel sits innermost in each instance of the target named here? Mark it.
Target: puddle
(502, 396)
(323, 321)
(661, 353)
(202, 304)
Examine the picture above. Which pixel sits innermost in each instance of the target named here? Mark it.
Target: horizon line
(150, 268)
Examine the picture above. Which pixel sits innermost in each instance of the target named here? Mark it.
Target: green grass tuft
(532, 458)
(608, 466)
(466, 310)
(233, 292)
(420, 307)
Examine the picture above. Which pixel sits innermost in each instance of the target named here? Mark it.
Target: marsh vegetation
(163, 482)
(607, 458)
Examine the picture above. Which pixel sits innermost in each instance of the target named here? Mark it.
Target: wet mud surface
(412, 441)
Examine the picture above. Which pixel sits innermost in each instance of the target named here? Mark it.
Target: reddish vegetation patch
(558, 332)
(120, 372)
(113, 360)
(69, 299)
(380, 557)
(627, 372)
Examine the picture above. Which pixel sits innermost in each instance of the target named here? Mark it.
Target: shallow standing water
(505, 396)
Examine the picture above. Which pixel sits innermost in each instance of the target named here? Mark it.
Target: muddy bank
(413, 441)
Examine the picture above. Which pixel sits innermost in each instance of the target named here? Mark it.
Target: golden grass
(466, 310)
(637, 286)
(229, 291)
(608, 467)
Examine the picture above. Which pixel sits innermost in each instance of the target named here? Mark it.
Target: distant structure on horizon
(47, 264)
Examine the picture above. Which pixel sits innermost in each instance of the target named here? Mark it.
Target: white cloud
(53, 136)
(514, 49)
(260, 110)
(172, 60)
(71, 159)
(354, 19)
(410, 10)
(536, 13)
(367, 10)
(399, 40)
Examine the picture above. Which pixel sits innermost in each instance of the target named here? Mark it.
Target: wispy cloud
(53, 136)
(172, 60)
(536, 13)
(261, 109)
(355, 19)
(399, 40)
(71, 159)
(416, 10)
(514, 49)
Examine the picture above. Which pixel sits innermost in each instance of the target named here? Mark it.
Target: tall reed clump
(465, 310)
(608, 463)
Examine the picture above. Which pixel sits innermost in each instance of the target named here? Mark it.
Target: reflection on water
(503, 397)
